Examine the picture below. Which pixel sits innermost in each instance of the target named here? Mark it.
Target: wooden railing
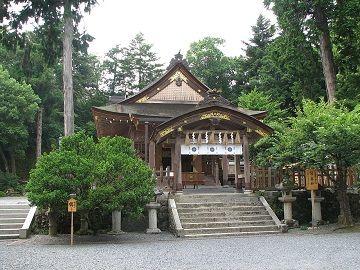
(165, 178)
(267, 178)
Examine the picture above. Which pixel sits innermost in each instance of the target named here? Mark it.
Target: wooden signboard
(72, 210)
(72, 205)
(311, 179)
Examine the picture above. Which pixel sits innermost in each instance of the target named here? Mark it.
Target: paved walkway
(282, 251)
(13, 200)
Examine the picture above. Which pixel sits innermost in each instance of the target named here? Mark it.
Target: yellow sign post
(72, 209)
(311, 179)
(312, 185)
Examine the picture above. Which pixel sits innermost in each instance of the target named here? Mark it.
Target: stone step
(219, 195)
(12, 220)
(215, 204)
(9, 231)
(225, 218)
(215, 199)
(13, 215)
(231, 229)
(219, 214)
(238, 208)
(11, 225)
(229, 234)
(9, 236)
(13, 211)
(14, 206)
(228, 224)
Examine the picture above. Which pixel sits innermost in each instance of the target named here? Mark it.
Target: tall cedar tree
(50, 13)
(255, 50)
(312, 17)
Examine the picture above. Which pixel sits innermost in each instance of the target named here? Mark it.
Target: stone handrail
(282, 227)
(25, 230)
(174, 216)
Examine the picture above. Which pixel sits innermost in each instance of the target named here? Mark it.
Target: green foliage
(18, 105)
(143, 61)
(118, 74)
(210, 65)
(106, 176)
(255, 50)
(256, 100)
(291, 71)
(57, 175)
(9, 181)
(131, 68)
(320, 134)
(346, 41)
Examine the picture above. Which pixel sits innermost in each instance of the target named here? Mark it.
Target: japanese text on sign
(72, 205)
(311, 179)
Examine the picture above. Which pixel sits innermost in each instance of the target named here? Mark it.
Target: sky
(172, 25)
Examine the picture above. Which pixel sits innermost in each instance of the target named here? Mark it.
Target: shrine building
(188, 133)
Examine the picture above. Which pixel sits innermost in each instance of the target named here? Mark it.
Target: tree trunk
(67, 75)
(345, 217)
(3, 157)
(12, 162)
(39, 132)
(327, 57)
(52, 223)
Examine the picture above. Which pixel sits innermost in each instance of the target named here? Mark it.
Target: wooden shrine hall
(188, 133)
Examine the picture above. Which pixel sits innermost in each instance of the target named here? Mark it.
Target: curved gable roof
(229, 116)
(189, 83)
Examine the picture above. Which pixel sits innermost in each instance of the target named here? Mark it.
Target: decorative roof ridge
(178, 58)
(213, 97)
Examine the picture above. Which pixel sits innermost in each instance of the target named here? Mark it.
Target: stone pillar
(288, 199)
(146, 142)
(177, 165)
(225, 167)
(116, 222)
(152, 208)
(246, 155)
(316, 209)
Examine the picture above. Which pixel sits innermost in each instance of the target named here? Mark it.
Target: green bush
(9, 181)
(105, 175)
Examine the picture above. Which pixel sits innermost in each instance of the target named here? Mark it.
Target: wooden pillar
(238, 183)
(216, 175)
(146, 141)
(177, 165)
(225, 167)
(246, 162)
(152, 147)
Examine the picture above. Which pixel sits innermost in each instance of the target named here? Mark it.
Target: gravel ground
(141, 251)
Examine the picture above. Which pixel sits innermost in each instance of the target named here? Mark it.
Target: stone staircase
(223, 214)
(12, 218)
